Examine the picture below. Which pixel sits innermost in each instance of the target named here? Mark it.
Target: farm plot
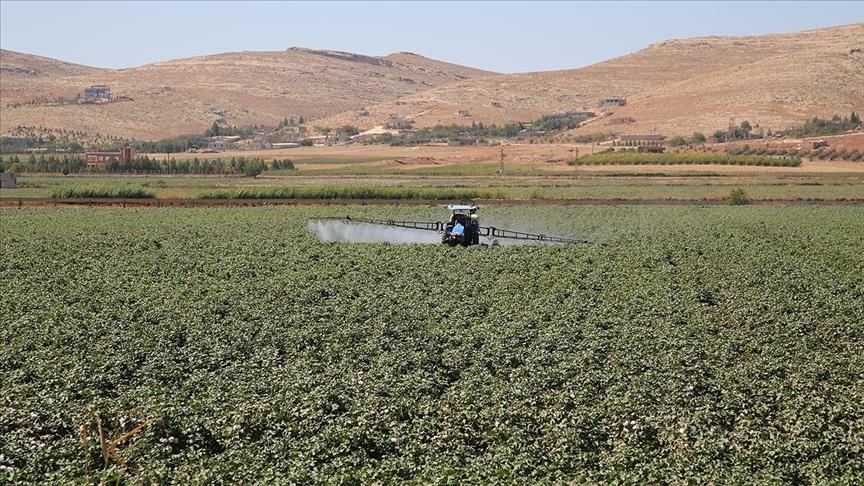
(718, 344)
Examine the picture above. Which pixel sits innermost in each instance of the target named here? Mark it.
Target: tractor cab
(463, 227)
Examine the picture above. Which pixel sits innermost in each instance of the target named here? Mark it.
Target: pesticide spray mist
(351, 232)
(370, 233)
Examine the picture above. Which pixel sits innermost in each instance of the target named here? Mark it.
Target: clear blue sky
(499, 36)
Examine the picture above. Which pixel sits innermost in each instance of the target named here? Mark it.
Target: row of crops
(634, 158)
(351, 192)
(211, 345)
(137, 191)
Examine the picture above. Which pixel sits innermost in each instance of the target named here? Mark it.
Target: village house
(99, 92)
(124, 155)
(613, 101)
(222, 143)
(640, 143)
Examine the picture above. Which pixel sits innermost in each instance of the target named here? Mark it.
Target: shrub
(109, 191)
(737, 197)
(349, 192)
(677, 141)
(632, 158)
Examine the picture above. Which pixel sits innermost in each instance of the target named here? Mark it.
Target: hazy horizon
(505, 37)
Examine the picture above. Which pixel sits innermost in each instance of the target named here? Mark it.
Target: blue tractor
(463, 229)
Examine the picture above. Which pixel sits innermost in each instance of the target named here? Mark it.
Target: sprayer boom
(469, 234)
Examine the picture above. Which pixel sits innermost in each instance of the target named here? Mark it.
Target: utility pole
(501, 162)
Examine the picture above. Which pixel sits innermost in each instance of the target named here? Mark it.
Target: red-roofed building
(101, 158)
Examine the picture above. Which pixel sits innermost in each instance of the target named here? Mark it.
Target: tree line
(67, 164)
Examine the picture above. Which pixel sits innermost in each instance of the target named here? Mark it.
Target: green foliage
(745, 129)
(633, 158)
(173, 145)
(213, 131)
(217, 130)
(444, 133)
(350, 192)
(141, 165)
(819, 126)
(283, 164)
(737, 197)
(677, 141)
(47, 140)
(50, 163)
(348, 130)
(718, 344)
(594, 137)
(560, 121)
(132, 191)
(742, 131)
(698, 137)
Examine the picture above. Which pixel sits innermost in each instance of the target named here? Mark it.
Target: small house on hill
(99, 92)
(613, 102)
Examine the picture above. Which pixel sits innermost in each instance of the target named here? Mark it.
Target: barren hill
(672, 87)
(187, 95)
(17, 64)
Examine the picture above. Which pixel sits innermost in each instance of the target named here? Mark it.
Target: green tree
(746, 128)
(349, 130)
(698, 137)
(213, 131)
(677, 141)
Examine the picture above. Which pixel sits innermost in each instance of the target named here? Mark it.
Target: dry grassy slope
(14, 63)
(26, 77)
(188, 95)
(816, 73)
(676, 86)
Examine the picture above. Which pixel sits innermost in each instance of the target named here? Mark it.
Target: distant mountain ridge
(187, 95)
(673, 87)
